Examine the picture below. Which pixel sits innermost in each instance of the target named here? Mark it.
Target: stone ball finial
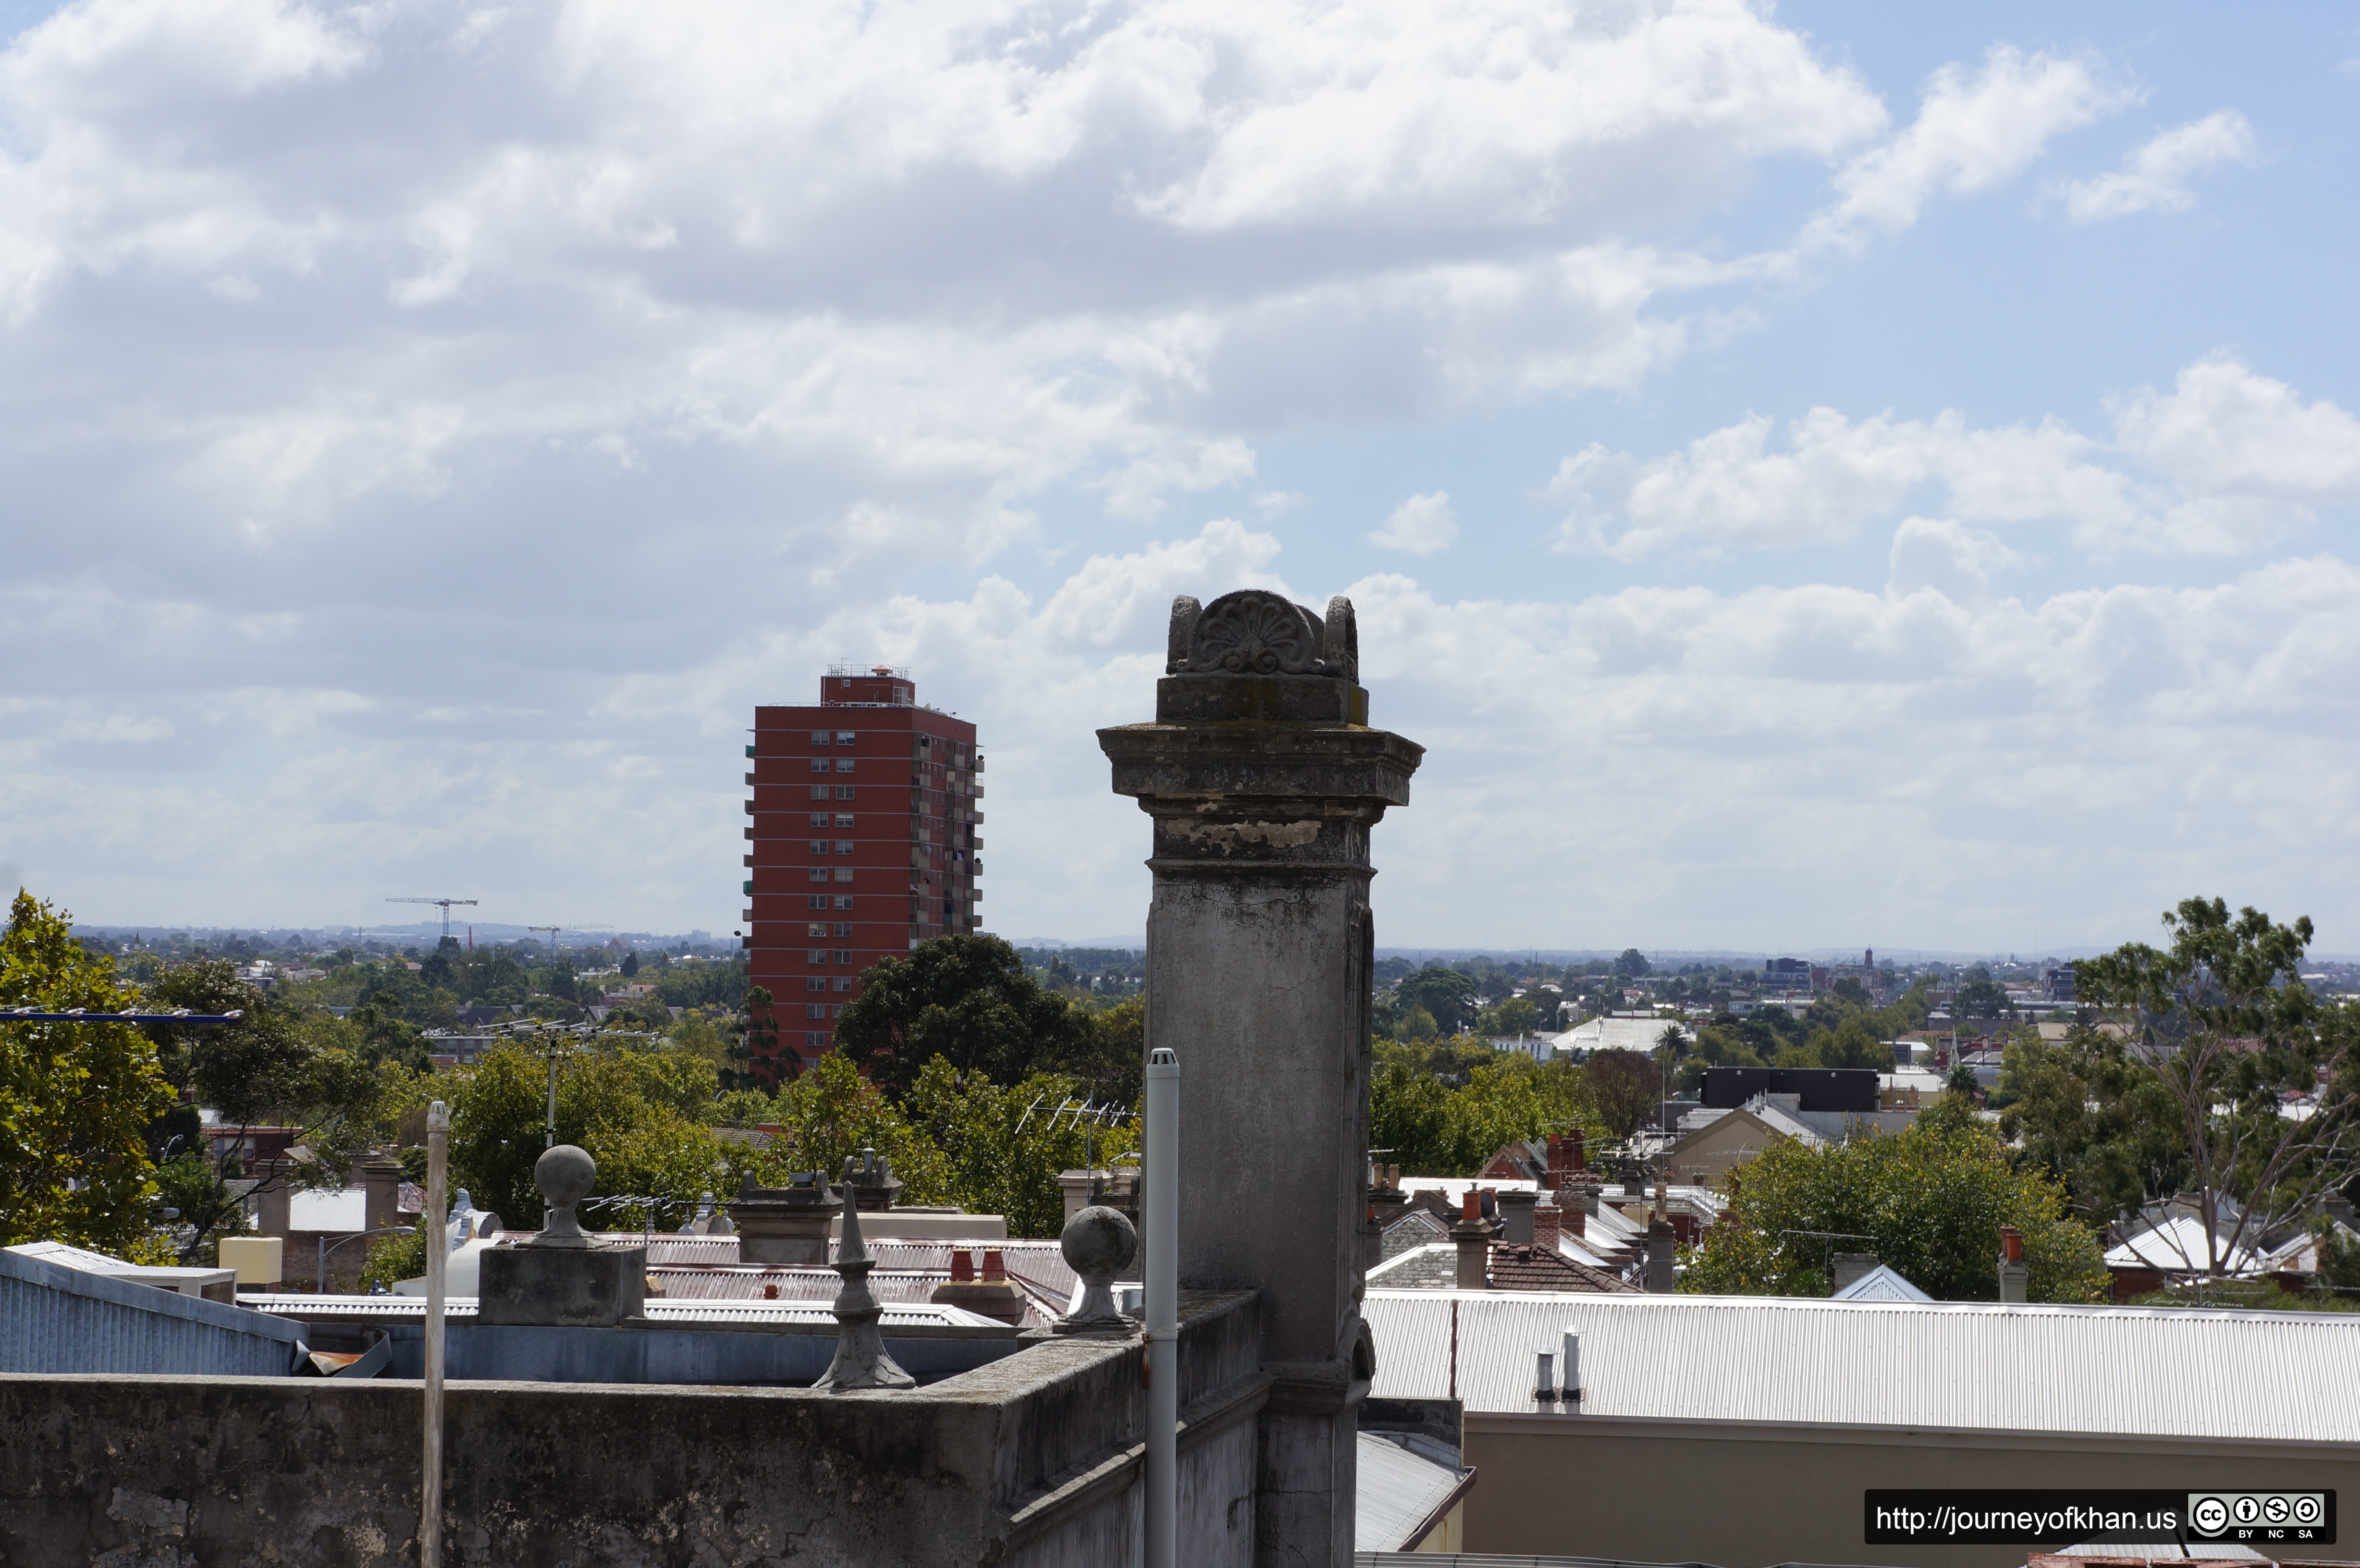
(565, 1175)
(1098, 1243)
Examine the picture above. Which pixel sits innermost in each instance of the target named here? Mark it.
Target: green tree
(1516, 1016)
(1633, 965)
(966, 997)
(1982, 997)
(1003, 1146)
(1445, 994)
(1930, 1201)
(1431, 1129)
(275, 1067)
(2222, 1022)
(76, 1100)
(1626, 1088)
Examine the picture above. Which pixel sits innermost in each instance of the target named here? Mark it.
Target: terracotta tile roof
(1517, 1266)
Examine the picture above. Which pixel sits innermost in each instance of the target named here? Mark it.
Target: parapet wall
(1032, 1459)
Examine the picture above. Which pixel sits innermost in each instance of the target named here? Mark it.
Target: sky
(1830, 475)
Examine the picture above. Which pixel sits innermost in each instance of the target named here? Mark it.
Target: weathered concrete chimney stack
(1516, 1215)
(1849, 1266)
(1473, 1234)
(2013, 1271)
(1263, 781)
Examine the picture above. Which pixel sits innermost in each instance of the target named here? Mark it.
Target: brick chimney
(1515, 1212)
(1545, 1225)
(1473, 1235)
(962, 1266)
(1572, 1218)
(2013, 1271)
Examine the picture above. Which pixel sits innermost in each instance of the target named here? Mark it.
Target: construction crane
(445, 903)
(553, 931)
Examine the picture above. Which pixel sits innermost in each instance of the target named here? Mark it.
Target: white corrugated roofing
(2160, 1371)
(1880, 1284)
(2177, 1244)
(331, 1210)
(1396, 1492)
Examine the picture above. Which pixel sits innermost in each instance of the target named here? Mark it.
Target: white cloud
(1971, 133)
(1955, 561)
(2153, 177)
(2229, 461)
(1423, 524)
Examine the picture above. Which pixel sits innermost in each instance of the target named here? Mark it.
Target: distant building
(863, 842)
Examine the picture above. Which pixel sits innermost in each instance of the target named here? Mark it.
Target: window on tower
(843, 847)
(819, 900)
(844, 737)
(819, 873)
(819, 764)
(819, 846)
(819, 737)
(843, 982)
(815, 981)
(844, 928)
(815, 1009)
(844, 873)
(843, 792)
(844, 900)
(819, 819)
(817, 955)
(844, 956)
(815, 927)
(842, 763)
(844, 819)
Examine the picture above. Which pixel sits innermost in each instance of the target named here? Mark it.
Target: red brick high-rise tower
(864, 842)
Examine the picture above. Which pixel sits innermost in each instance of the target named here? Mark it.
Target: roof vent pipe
(1572, 1364)
(1545, 1379)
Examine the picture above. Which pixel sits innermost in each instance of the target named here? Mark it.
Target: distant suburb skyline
(1839, 470)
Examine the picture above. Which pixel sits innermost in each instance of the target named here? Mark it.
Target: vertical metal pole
(438, 1264)
(550, 1140)
(1163, 1282)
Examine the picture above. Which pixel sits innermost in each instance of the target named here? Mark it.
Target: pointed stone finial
(860, 1361)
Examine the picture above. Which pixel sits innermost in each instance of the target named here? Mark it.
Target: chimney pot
(995, 1266)
(962, 1266)
(1471, 1207)
(2011, 1240)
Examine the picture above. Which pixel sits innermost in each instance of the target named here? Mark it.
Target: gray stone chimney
(1262, 781)
(1849, 1266)
(1663, 1248)
(1516, 1215)
(2013, 1271)
(785, 1228)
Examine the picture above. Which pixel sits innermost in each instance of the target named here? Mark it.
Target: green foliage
(1930, 1201)
(1446, 994)
(1002, 1148)
(968, 998)
(640, 1115)
(1515, 1017)
(76, 1100)
(393, 1258)
(1982, 998)
(1435, 1130)
(2092, 1116)
(1626, 1087)
(1417, 1024)
(2222, 1023)
(1633, 965)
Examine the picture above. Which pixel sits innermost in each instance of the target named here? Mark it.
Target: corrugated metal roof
(1880, 1284)
(1396, 1492)
(2157, 1371)
(56, 1319)
(2177, 1244)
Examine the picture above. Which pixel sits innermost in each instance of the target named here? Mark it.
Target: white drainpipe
(438, 1266)
(1163, 1281)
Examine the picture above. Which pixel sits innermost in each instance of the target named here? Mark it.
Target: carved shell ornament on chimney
(1251, 632)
